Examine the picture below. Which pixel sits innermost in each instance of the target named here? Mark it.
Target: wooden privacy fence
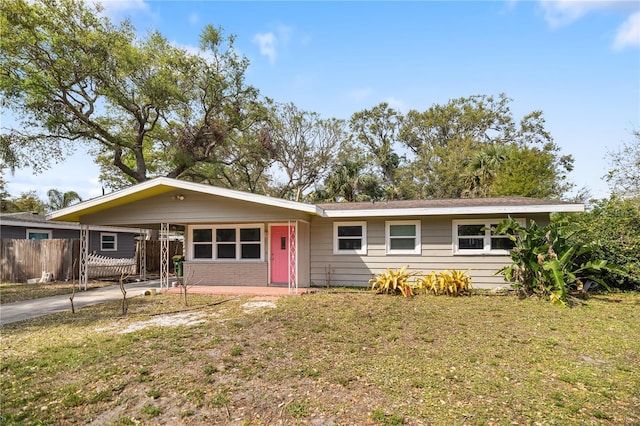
(153, 254)
(26, 259)
(22, 260)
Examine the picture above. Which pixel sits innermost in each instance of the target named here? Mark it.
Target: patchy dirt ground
(238, 392)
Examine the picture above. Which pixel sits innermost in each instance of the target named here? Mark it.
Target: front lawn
(327, 358)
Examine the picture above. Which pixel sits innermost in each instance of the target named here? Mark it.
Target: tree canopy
(624, 174)
(471, 146)
(59, 200)
(148, 108)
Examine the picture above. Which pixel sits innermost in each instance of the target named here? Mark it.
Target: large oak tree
(146, 107)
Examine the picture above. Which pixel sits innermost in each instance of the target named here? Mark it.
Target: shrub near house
(613, 227)
(548, 261)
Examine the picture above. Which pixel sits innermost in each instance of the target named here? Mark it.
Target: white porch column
(83, 266)
(164, 255)
(293, 257)
(143, 256)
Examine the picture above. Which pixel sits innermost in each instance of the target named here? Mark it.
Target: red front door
(280, 246)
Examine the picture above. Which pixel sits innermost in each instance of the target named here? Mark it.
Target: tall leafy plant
(548, 261)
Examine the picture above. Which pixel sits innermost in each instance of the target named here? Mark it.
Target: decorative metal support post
(293, 257)
(143, 256)
(164, 255)
(83, 266)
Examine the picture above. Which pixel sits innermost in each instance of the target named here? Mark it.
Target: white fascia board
(42, 225)
(445, 211)
(189, 186)
(103, 199)
(71, 226)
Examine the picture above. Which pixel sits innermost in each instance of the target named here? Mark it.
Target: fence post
(143, 258)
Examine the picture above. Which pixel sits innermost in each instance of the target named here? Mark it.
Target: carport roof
(163, 185)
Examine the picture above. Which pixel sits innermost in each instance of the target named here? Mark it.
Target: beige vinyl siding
(303, 254)
(437, 253)
(194, 208)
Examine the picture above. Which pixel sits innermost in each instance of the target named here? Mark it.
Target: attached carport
(164, 204)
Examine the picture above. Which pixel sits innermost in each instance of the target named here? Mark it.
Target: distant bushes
(612, 228)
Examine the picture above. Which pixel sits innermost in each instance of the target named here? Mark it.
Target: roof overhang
(450, 211)
(67, 225)
(163, 185)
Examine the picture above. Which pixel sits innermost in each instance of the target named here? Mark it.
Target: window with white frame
(38, 234)
(108, 241)
(403, 237)
(228, 242)
(350, 237)
(473, 236)
(202, 243)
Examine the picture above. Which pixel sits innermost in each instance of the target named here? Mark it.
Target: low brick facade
(227, 273)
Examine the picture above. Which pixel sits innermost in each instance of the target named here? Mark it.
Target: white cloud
(559, 13)
(360, 94)
(272, 42)
(118, 10)
(397, 104)
(194, 18)
(284, 34)
(267, 44)
(628, 34)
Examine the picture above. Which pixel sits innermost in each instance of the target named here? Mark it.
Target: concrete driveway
(19, 311)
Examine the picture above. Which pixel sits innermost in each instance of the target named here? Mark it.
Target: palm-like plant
(347, 182)
(483, 167)
(59, 200)
(548, 261)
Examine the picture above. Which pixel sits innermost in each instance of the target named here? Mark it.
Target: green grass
(349, 358)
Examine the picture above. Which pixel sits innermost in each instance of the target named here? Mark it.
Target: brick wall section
(227, 273)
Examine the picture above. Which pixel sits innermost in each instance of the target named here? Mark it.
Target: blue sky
(577, 61)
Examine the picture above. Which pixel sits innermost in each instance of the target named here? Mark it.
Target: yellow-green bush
(393, 282)
(450, 283)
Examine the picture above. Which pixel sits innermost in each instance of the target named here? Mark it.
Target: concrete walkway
(20, 311)
(240, 290)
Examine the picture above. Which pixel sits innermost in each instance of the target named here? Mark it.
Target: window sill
(484, 253)
(352, 253)
(403, 253)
